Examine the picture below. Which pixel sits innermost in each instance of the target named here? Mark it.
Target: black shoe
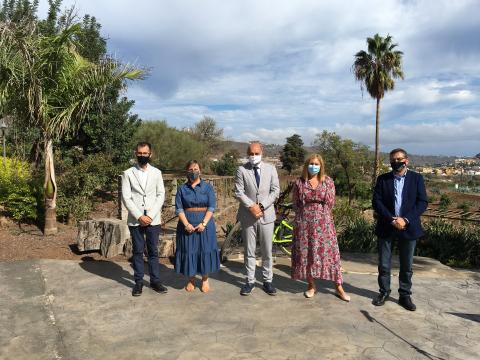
(158, 287)
(269, 289)
(137, 289)
(247, 289)
(406, 302)
(381, 298)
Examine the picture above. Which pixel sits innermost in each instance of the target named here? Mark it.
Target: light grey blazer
(247, 192)
(137, 199)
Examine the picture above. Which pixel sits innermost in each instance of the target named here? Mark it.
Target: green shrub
(445, 201)
(20, 194)
(80, 179)
(464, 206)
(451, 244)
(358, 236)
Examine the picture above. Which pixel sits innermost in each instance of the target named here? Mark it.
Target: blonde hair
(321, 174)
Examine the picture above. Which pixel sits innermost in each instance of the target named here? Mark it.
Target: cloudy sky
(266, 69)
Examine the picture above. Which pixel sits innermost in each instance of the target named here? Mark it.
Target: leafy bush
(445, 201)
(80, 179)
(20, 194)
(464, 206)
(451, 244)
(358, 236)
(227, 165)
(172, 148)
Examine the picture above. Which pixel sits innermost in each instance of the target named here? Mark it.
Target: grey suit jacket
(137, 199)
(247, 192)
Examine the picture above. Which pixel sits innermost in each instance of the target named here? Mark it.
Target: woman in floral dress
(315, 253)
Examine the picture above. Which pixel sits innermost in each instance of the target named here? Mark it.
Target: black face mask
(143, 160)
(193, 175)
(397, 166)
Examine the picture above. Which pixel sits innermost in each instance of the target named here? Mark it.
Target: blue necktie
(257, 175)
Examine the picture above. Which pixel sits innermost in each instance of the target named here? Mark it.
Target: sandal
(190, 285)
(341, 293)
(205, 286)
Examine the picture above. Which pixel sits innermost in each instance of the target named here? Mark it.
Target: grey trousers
(264, 233)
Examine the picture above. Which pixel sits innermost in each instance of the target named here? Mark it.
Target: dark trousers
(406, 249)
(151, 234)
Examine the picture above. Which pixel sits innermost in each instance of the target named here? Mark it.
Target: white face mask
(255, 159)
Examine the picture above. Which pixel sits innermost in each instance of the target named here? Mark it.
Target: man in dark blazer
(399, 199)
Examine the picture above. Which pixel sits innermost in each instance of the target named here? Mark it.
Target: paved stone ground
(52, 309)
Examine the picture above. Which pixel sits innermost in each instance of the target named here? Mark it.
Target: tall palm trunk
(50, 187)
(376, 167)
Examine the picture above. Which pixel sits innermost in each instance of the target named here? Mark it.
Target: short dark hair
(191, 162)
(394, 151)
(142, 144)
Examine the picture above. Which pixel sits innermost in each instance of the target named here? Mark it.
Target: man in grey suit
(143, 194)
(257, 187)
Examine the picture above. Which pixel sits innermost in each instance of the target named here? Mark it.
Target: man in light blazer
(143, 194)
(257, 187)
(399, 199)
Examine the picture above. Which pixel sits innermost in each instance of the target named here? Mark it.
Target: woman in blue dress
(197, 250)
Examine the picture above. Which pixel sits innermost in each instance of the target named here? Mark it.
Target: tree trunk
(50, 188)
(376, 167)
(349, 185)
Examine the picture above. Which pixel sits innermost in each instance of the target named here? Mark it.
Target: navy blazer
(414, 203)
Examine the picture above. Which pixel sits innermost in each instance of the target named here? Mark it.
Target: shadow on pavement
(108, 270)
(472, 317)
(113, 271)
(416, 348)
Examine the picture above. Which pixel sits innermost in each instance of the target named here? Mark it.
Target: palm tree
(376, 70)
(45, 83)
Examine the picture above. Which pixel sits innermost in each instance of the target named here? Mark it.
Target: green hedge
(454, 245)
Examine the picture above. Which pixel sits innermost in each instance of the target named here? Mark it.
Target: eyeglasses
(143, 153)
(398, 159)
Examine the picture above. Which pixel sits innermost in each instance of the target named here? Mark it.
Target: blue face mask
(313, 169)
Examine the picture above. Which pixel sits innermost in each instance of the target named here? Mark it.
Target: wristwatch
(204, 223)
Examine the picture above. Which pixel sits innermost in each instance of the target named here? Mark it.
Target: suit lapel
(138, 179)
(251, 172)
(263, 174)
(391, 189)
(406, 186)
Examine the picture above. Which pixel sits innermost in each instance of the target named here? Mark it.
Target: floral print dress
(315, 253)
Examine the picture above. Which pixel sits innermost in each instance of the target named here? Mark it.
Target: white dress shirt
(143, 175)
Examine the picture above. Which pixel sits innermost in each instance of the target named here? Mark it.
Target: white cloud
(275, 67)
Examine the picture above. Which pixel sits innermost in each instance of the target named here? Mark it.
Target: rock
(115, 236)
(89, 236)
(166, 247)
(107, 235)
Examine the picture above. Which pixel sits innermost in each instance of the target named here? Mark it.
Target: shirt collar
(398, 177)
(140, 169)
(199, 184)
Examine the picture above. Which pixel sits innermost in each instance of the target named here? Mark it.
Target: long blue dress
(196, 253)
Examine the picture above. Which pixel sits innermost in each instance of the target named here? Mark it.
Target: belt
(196, 209)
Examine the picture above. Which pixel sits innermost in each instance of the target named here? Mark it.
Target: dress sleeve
(211, 198)
(296, 196)
(178, 201)
(329, 194)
